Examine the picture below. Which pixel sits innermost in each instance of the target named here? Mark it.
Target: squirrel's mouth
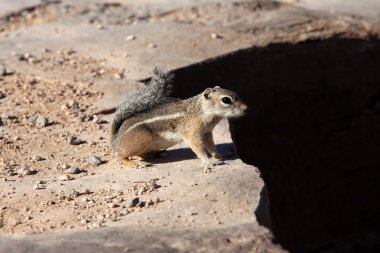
(237, 113)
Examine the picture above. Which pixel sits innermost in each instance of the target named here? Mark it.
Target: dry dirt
(52, 199)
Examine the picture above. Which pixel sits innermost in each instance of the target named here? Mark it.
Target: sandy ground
(39, 192)
(48, 94)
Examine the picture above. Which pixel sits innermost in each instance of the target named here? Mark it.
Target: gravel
(4, 115)
(113, 205)
(83, 221)
(32, 119)
(39, 186)
(85, 117)
(134, 202)
(3, 71)
(74, 170)
(142, 190)
(24, 171)
(152, 185)
(94, 160)
(130, 37)
(39, 158)
(73, 140)
(73, 194)
(65, 178)
(42, 121)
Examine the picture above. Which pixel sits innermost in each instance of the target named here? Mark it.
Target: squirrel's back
(155, 92)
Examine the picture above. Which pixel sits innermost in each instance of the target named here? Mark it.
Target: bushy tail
(155, 92)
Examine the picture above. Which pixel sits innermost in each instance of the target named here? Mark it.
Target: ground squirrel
(149, 120)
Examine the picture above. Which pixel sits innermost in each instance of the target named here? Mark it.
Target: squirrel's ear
(207, 92)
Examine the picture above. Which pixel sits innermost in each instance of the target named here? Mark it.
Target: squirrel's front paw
(218, 162)
(207, 166)
(207, 169)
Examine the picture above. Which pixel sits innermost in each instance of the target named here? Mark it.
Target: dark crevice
(312, 129)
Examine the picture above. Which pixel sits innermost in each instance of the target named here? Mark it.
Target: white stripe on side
(158, 118)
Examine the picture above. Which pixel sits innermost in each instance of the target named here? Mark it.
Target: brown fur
(167, 124)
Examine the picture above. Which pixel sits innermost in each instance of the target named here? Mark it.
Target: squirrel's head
(222, 103)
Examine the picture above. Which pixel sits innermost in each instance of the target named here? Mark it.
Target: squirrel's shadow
(180, 154)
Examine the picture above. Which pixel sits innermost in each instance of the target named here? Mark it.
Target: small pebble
(142, 190)
(216, 36)
(134, 202)
(151, 45)
(38, 158)
(118, 76)
(97, 119)
(42, 121)
(152, 185)
(84, 118)
(24, 171)
(72, 103)
(113, 217)
(65, 178)
(100, 218)
(73, 140)
(130, 37)
(74, 194)
(3, 71)
(39, 187)
(32, 119)
(94, 160)
(5, 115)
(83, 221)
(73, 170)
(113, 205)
(96, 224)
(50, 203)
(9, 72)
(64, 166)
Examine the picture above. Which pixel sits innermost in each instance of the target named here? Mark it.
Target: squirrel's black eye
(226, 100)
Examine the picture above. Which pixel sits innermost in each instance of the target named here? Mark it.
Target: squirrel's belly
(170, 136)
(165, 140)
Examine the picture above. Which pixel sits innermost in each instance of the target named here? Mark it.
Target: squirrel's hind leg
(135, 142)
